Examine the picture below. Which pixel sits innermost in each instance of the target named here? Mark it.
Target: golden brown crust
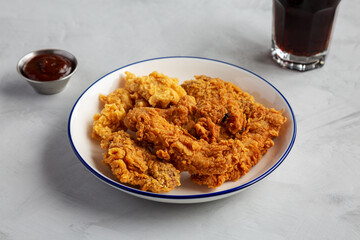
(174, 144)
(159, 90)
(116, 104)
(250, 122)
(134, 164)
(223, 102)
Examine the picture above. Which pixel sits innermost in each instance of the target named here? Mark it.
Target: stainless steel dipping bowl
(48, 87)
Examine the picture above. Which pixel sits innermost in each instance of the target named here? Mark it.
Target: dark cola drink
(301, 32)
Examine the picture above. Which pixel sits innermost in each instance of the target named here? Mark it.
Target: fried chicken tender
(250, 122)
(134, 164)
(153, 90)
(174, 144)
(223, 102)
(194, 118)
(110, 120)
(159, 90)
(257, 140)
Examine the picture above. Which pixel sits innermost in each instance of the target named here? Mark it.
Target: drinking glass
(301, 32)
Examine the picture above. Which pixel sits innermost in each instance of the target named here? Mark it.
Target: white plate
(184, 68)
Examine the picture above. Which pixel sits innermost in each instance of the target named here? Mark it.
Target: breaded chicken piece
(226, 104)
(110, 120)
(174, 144)
(134, 164)
(246, 120)
(153, 90)
(257, 140)
(159, 90)
(194, 119)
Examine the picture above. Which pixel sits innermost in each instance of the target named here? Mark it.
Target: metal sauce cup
(48, 87)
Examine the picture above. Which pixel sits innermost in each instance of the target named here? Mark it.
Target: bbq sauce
(47, 67)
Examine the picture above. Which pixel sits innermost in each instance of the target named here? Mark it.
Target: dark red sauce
(47, 67)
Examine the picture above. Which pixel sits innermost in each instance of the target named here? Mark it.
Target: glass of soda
(301, 32)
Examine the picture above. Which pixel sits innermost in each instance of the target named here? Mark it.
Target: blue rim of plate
(193, 196)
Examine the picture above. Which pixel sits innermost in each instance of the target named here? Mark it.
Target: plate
(184, 68)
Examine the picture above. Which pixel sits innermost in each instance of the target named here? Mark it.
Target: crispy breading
(176, 145)
(223, 102)
(248, 121)
(116, 104)
(158, 89)
(134, 164)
